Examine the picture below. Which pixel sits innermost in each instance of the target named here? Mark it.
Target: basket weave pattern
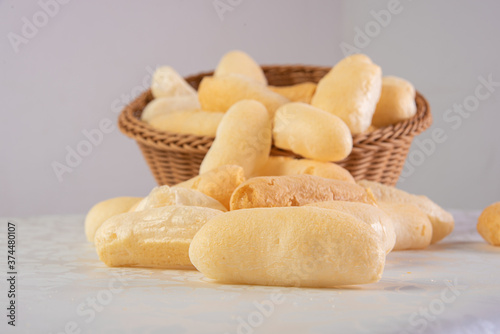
(173, 158)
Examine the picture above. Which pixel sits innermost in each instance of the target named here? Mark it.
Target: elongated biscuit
(167, 105)
(488, 224)
(167, 196)
(294, 190)
(301, 246)
(243, 138)
(100, 212)
(302, 92)
(220, 93)
(373, 216)
(351, 90)
(195, 122)
(218, 183)
(396, 103)
(442, 221)
(311, 132)
(151, 238)
(279, 166)
(238, 62)
(167, 82)
(412, 226)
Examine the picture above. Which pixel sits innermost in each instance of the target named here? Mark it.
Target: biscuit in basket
(193, 122)
(370, 214)
(311, 132)
(238, 62)
(157, 237)
(243, 138)
(167, 196)
(167, 82)
(218, 183)
(396, 103)
(412, 226)
(100, 212)
(299, 246)
(351, 91)
(220, 93)
(167, 105)
(279, 166)
(441, 220)
(295, 190)
(302, 92)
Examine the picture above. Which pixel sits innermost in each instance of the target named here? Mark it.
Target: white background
(92, 55)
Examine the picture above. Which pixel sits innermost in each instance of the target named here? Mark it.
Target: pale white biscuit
(167, 82)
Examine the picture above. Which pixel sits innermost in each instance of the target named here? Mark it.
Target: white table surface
(451, 287)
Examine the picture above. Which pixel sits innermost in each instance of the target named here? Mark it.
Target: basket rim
(133, 127)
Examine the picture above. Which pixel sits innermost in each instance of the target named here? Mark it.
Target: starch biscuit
(151, 238)
(167, 105)
(396, 103)
(412, 226)
(301, 246)
(373, 216)
(218, 183)
(488, 224)
(442, 221)
(221, 93)
(311, 132)
(351, 91)
(100, 212)
(243, 138)
(294, 190)
(167, 82)
(194, 122)
(167, 196)
(238, 62)
(302, 92)
(279, 166)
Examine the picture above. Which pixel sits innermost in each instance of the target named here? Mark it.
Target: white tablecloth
(451, 287)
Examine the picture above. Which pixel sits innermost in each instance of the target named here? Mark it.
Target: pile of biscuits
(252, 218)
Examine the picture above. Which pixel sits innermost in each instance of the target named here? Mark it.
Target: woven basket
(173, 158)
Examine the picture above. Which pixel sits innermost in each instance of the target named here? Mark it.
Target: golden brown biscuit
(301, 246)
(488, 224)
(294, 190)
(219, 183)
